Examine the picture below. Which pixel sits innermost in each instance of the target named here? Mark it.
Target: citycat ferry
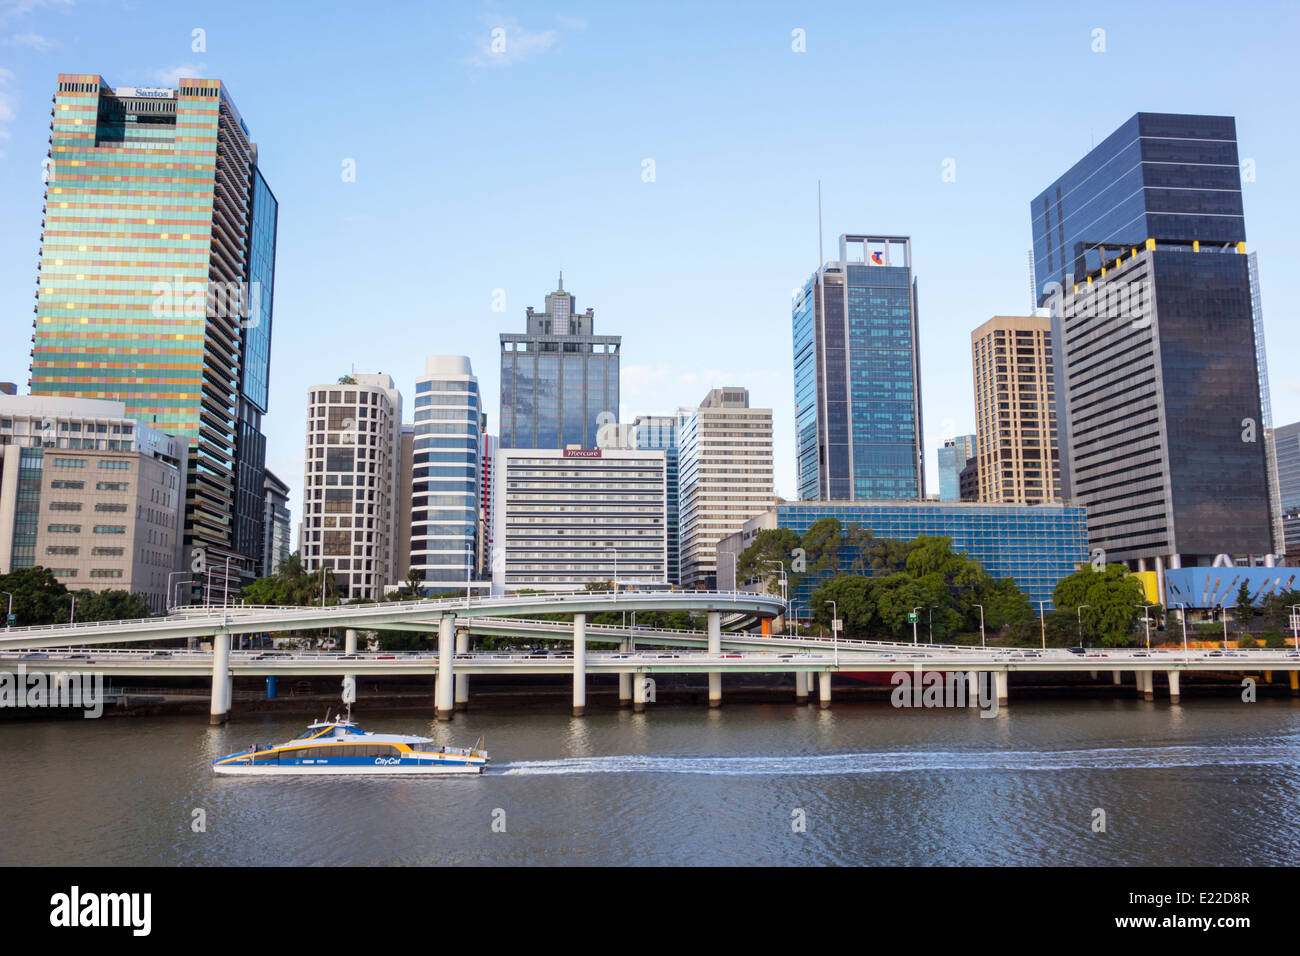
(339, 746)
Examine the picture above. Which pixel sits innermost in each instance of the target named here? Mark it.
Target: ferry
(339, 746)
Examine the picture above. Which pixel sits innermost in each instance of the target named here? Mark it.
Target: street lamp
(615, 550)
(10, 616)
(1081, 607)
(785, 601)
(930, 614)
(225, 584)
(981, 607)
(1042, 622)
(1182, 613)
(1295, 624)
(836, 624)
(1146, 620)
(72, 611)
(916, 616)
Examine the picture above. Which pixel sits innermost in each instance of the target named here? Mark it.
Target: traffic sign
(837, 625)
(13, 619)
(911, 617)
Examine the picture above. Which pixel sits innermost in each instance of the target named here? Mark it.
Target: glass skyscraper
(857, 376)
(155, 285)
(660, 433)
(445, 472)
(559, 380)
(1139, 251)
(952, 459)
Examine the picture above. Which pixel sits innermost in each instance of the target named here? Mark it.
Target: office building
(952, 459)
(275, 523)
(968, 480)
(445, 473)
(659, 433)
(1014, 410)
(1286, 442)
(567, 518)
(857, 382)
(155, 285)
(491, 444)
(1139, 251)
(559, 380)
(1036, 545)
(724, 477)
(92, 495)
(351, 482)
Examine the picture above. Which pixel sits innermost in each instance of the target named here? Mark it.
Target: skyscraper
(659, 433)
(724, 477)
(155, 285)
(857, 386)
(1014, 414)
(952, 459)
(445, 472)
(558, 379)
(1139, 252)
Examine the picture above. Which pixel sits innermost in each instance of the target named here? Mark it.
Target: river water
(1206, 782)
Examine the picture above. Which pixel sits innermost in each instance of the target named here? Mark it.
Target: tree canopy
(1110, 599)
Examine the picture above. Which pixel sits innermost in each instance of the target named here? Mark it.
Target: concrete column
(443, 694)
(625, 680)
(270, 687)
(1173, 686)
(638, 692)
(1148, 685)
(972, 688)
(824, 687)
(715, 648)
(579, 664)
(1000, 682)
(350, 647)
(1092, 675)
(1268, 677)
(1160, 579)
(1117, 677)
(220, 710)
(801, 687)
(1295, 683)
(462, 680)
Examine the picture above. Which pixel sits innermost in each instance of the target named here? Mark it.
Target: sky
(666, 157)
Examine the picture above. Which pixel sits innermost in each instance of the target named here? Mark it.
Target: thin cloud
(13, 9)
(171, 77)
(503, 42)
(7, 109)
(33, 41)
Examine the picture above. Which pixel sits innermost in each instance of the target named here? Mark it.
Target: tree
(112, 605)
(895, 595)
(1004, 605)
(1112, 596)
(855, 605)
(39, 597)
(770, 546)
(414, 582)
(821, 545)
(1245, 610)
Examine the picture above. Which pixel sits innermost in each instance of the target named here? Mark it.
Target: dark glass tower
(1139, 251)
(857, 386)
(558, 379)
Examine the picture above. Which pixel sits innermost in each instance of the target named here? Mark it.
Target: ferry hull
(271, 770)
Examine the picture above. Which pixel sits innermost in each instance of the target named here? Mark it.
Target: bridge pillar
(1173, 687)
(270, 687)
(1295, 683)
(1116, 677)
(801, 687)
(1268, 677)
(824, 688)
(1148, 685)
(350, 647)
(972, 688)
(220, 710)
(1001, 683)
(715, 649)
(1092, 675)
(638, 693)
(444, 703)
(579, 664)
(462, 680)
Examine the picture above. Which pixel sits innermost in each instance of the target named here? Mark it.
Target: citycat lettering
(387, 761)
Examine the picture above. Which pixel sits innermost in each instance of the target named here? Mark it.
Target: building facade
(351, 483)
(659, 433)
(1015, 415)
(445, 475)
(275, 523)
(91, 494)
(724, 477)
(1139, 253)
(487, 487)
(1286, 441)
(567, 518)
(559, 380)
(952, 459)
(1036, 545)
(155, 285)
(857, 382)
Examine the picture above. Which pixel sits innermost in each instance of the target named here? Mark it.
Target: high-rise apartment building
(952, 459)
(445, 475)
(1286, 441)
(567, 518)
(487, 488)
(659, 433)
(155, 285)
(92, 495)
(559, 380)
(724, 477)
(351, 483)
(1015, 416)
(1139, 250)
(857, 382)
(276, 524)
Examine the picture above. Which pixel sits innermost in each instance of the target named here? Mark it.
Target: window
(64, 529)
(70, 463)
(106, 572)
(107, 506)
(106, 485)
(106, 552)
(69, 485)
(115, 464)
(65, 505)
(110, 529)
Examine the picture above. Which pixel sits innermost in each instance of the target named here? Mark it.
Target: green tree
(771, 545)
(1004, 605)
(895, 595)
(1245, 609)
(855, 605)
(38, 597)
(112, 605)
(821, 545)
(1112, 596)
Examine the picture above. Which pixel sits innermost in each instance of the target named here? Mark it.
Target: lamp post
(916, 616)
(930, 614)
(785, 601)
(9, 617)
(835, 631)
(1295, 624)
(615, 550)
(981, 607)
(1182, 614)
(1223, 611)
(1081, 607)
(72, 611)
(225, 584)
(1042, 622)
(1146, 620)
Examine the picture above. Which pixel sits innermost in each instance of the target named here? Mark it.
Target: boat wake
(966, 761)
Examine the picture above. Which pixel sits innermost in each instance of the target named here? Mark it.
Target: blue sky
(478, 171)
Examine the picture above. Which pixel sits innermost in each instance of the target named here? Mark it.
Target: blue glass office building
(445, 477)
(952, 459)
(659, 433)
(1139, 251)
(1037, 545)
(857, 376)
(559, 380)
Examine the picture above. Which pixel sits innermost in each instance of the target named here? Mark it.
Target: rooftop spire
(561, 280)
